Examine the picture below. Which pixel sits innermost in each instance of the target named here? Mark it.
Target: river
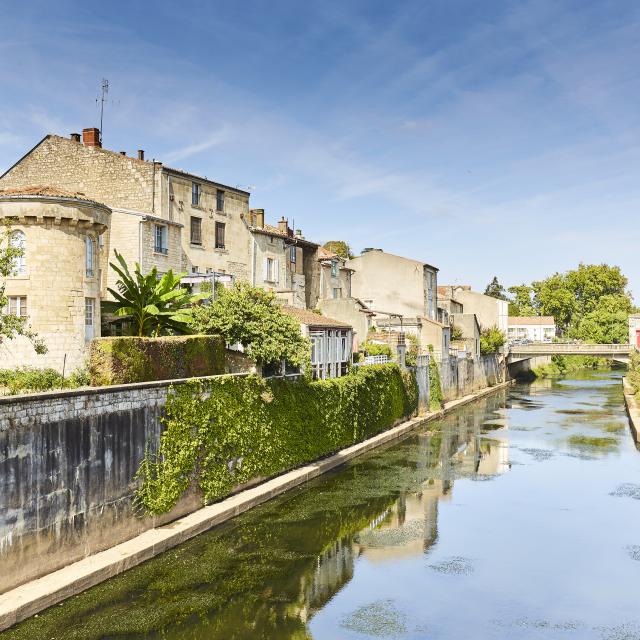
(516, 517)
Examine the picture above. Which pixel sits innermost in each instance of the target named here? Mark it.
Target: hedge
(122, 360)
(227, 431)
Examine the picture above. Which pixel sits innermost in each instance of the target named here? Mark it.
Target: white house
(534, 328)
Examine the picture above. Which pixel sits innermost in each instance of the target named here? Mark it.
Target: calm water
(502, 521)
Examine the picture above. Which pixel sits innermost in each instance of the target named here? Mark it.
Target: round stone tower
(56, 284)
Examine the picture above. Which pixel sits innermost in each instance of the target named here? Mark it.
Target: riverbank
(633, 409)
(32, 597)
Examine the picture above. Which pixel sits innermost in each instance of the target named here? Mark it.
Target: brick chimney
(140, 154)
(283, 225)
(75, 137)
(91, 137)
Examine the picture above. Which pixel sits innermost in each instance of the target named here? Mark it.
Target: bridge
(618, 352)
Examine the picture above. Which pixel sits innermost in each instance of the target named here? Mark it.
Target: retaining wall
(460, 377)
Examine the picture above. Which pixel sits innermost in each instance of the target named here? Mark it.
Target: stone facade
(57, 284)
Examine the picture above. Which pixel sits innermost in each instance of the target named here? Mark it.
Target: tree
(570, 296)
(252, 317)
(491, 340)
(339, 247)
(12, 326)
(495, 290)
(607, 323)
(153, 306)
(521, 303)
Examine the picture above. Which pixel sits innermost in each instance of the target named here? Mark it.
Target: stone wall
(67, 461)
(462, 376)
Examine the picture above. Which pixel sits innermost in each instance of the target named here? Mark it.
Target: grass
(28, 380)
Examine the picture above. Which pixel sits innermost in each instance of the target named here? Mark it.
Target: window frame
(18, 240)
(335, 269)
(21, 308)
(197, 242)
(162, 247)
(89, 305)
(220, 227)
(220, 200)
(196, 194)
(292, 254)
(89, 257)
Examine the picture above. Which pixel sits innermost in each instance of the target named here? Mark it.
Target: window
(220, 235)
(88, 312)
(194, 269)
(89, 256)
(196, 230)
(17, 306)
(195, 193)
(292, 254)
(160, 239)
(219, 200)
(337, 292)
(271, 270)
(334, 268)
(19, 241)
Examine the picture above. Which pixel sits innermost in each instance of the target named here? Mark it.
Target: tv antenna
(103, 99)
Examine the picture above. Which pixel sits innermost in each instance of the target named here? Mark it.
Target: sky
(485, 138)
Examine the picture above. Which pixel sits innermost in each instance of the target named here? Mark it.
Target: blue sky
(487, 138)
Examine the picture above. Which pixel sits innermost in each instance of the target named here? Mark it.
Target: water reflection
(391, 545)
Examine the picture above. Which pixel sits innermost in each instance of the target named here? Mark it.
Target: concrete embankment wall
(460, 377)
(67, 461)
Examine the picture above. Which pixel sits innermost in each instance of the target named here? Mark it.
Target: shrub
(122, 360)
(633, 377)
(411, 358)
(28, 380)
(226, 431)
(491, 340)
(376, 349)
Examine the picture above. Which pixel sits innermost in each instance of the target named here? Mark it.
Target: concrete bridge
(619, 352)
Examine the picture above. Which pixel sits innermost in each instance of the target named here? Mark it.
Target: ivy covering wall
(226, 431)
(123, 360)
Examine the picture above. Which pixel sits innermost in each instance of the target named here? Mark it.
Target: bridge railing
(558, 348)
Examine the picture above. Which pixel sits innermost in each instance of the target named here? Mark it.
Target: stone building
(161, 217)
(281, 259)
(491, 312)
(55, 285)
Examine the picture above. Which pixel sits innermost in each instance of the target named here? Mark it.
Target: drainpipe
(253, 260)
(153, 187)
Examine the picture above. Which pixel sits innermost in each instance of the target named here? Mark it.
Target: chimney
(123, 153)
(75, 137)
(140, 154)
(283, 225)
(91, 137)
(299, 234)
(257, 218)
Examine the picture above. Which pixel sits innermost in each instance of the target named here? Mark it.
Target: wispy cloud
(219, 137)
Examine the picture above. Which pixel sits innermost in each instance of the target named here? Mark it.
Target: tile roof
(516, 321)
(40, 190)
(312, 319)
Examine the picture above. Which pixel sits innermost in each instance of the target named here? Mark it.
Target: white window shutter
(265, 272)
(276, 267)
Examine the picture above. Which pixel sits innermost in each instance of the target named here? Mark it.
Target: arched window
(89, 256)
(19, 241)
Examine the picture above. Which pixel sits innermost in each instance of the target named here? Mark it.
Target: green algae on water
(592, 441)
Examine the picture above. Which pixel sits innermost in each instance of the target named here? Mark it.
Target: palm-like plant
(154, 306)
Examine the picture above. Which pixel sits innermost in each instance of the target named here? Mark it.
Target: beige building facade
(56, 284)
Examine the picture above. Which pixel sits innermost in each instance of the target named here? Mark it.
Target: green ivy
(634, 372)
(436, 398)
(227, 431)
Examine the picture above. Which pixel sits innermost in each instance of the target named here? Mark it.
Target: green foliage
(491, 339)
(30, 380)
(411, 357)
(495, 290)
(436, 397)
(152, 306)
(376, 349)
(522, 303)
(227, 431)
(252, 317)
(633, 377)
(562, 365)
(456, 333)
(339, 247)
(570, 296)
(12, 326)
(123, 360)
(607, 323)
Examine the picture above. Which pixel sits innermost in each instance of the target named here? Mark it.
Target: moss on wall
(227, 431)
(122, 360)
(436, 397)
